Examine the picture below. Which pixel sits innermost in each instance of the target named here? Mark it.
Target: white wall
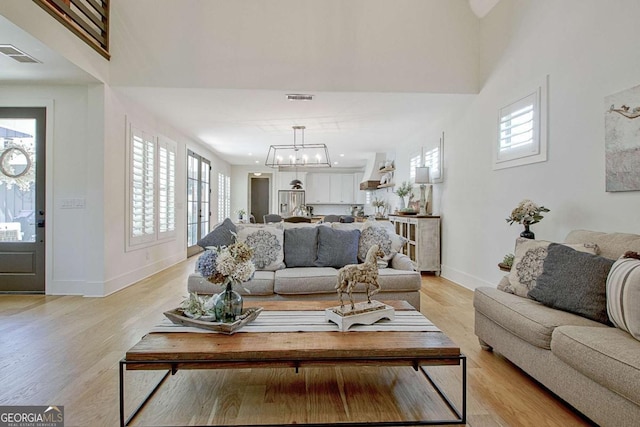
(85, 248)
(67, 254)
(123, 267)
(588, 48)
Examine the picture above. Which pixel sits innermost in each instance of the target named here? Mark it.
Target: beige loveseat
(592, 366)
(398, 281)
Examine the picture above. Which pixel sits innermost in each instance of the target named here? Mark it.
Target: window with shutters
(224, 197)
(431, 159)
(151, 199)
(522, 131)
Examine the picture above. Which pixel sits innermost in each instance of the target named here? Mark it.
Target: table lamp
(422, 178)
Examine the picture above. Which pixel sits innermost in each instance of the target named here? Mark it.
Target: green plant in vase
(404, 190)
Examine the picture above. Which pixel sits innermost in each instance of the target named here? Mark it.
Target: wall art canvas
(622, 140)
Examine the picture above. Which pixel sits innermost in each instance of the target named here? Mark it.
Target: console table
(423, 235)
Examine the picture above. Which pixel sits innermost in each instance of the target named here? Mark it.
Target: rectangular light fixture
(298, 155)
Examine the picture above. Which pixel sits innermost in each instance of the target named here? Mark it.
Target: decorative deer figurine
(367, 273)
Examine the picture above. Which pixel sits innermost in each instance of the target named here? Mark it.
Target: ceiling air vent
(16, 54)
(299, 97)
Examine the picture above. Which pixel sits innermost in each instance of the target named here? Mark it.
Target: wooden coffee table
(177, 351)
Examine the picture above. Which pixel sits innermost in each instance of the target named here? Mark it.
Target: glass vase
(228, 305)
(527, 234)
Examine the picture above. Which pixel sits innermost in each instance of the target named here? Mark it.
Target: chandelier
(298, 154)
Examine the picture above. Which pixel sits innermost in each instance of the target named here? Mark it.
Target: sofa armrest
(402, 262)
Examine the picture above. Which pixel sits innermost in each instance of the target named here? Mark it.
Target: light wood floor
(65, 351)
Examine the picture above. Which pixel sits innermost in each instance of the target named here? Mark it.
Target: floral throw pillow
(528, 264)
(376, 233)
(267, 244)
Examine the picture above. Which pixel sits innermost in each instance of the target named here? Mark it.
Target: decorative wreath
(8, 175)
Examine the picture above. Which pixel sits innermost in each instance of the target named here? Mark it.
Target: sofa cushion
(574, 281)
(391, 280)
(623, 295)
(306, 280)
(376, 233)
(261, 284)
(606, 355)
(337, 248)
(528, 264)
(523, 317)
(267, 244)
(611, 245)
(300, 246)
(222, 235)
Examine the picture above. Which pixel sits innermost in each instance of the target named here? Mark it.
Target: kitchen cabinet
(342, 188)
(423, 235)
(331, 188)
(318, 188)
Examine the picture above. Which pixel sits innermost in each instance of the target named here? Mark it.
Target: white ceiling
(53, 69)
(382, 72)
(241, 124)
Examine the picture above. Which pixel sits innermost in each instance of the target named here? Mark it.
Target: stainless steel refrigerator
(291, 203)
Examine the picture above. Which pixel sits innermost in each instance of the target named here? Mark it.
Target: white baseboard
(102, 289)
(65, 287)
(463, 279)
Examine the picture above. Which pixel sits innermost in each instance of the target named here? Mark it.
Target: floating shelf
(387, 170)
(386, 185)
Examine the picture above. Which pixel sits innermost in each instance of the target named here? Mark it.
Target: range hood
(372, 175)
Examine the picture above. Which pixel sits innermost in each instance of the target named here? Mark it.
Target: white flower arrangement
(526, 213)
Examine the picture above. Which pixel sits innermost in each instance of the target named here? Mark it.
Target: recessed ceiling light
(251, 154)
(342, 155)
(335, 163)
(257, 161)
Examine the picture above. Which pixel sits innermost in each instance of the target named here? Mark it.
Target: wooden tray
(248, 315)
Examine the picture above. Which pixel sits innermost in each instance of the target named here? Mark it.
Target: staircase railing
(88, 19)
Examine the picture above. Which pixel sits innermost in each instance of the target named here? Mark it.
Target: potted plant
(507, 262)
(403, 191)
(199, 307)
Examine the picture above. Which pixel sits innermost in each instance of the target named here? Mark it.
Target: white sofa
(399, 281)
(592, 366)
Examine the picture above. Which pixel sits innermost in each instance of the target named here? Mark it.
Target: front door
(22, 198)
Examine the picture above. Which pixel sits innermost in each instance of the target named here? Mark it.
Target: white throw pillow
(528, 264)
(267, 244)
(383, 235)
(623, 295)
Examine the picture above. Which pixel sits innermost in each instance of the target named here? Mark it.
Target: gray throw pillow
(300, 246)
(574, 281)
(337, 248)
(222, 235)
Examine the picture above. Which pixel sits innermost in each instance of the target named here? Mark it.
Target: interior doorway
(260, 188)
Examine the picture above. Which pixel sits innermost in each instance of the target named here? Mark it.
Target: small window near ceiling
(522, 131)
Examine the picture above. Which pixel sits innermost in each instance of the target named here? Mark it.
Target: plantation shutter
(142, 187)
(518, 129)
(166, 188)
